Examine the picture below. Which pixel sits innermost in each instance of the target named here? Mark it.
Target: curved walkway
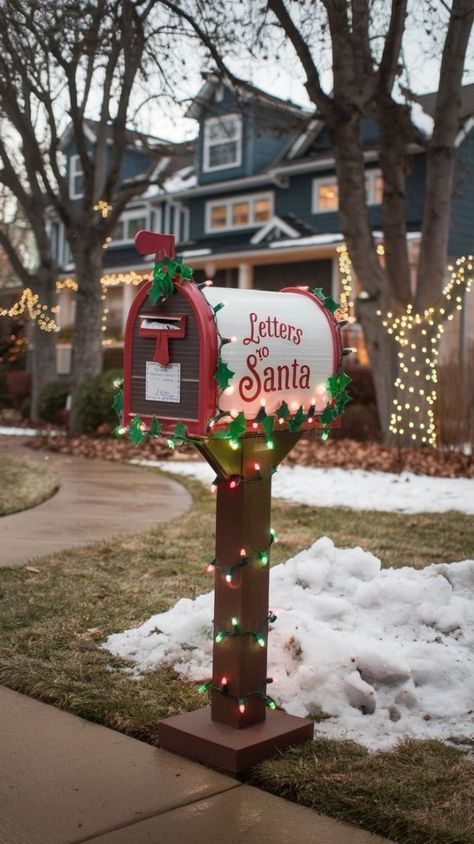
(97, 499)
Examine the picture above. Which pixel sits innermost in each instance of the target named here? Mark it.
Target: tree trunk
(87, 343)
(44, 341)
(412, 416)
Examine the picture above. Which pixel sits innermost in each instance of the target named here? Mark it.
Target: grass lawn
(24, 484)
(53, 620)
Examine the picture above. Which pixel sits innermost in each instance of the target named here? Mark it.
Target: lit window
(244, 212)
(76, 177)
(374, 187)
(222, 142)
(240, 214)
(261, 210)
(218, 217)
(326, 196)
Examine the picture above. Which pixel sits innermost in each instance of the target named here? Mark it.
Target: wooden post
(236, 732)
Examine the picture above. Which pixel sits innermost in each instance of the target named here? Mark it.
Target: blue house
(254, 203)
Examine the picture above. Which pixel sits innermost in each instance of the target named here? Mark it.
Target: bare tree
(364, 40)
(24, 220)
(62, 61)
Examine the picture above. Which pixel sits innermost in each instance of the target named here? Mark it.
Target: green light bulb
(235, 622)
(220, 636)
(260, 639)
(264, 559)
(234, 444)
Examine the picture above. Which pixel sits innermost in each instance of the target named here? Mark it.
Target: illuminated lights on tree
(417, 336)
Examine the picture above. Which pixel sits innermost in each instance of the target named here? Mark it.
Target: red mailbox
(279, 348)
(206, 356)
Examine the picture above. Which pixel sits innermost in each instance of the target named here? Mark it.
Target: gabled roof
(206, 96)
(135, 140)
(423, 109)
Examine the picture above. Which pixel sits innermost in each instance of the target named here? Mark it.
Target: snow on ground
(384, 653)
(354, 488)
(8, 431)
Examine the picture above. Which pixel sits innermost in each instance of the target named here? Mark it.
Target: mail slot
(279, 348)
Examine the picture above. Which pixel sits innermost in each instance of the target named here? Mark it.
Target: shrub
(52, 400)
(5, 399)
(94, 402)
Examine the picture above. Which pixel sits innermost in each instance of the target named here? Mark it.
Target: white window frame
(207, 143)
(133, 214)
(324, 180)
(228, 202)
(75, 170)
(370, 179)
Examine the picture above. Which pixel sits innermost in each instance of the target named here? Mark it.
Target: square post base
(195, 736)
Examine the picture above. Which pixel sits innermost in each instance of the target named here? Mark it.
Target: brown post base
(195, 736)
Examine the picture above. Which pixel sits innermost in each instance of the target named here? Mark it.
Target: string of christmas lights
(220, 634)
(418, 336)
(29, 303)
(245, 558)
(223, 689)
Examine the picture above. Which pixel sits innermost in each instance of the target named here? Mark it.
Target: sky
(284, 78)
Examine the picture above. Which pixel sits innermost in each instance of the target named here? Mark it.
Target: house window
(129, 224)
(374, 187)
(222, 142)
(326, 192)
(76, 177)
(243, 212)
(325, 195)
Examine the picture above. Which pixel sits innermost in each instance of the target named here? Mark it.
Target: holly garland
(329, 303)
(336, 385)
(165, 275)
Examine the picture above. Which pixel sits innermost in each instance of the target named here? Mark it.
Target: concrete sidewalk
(66, 781)
(97, 499)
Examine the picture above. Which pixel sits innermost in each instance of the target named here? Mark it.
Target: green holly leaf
(261, 414)
(180, 431)
(267, 424)
(221, 435)
(341, 402)
(328, 415)
(223, 374)
(337, 383)
(117, 403)
(283, 411)
(331, 305)
(156, 291)
(155, 428)
(296, 421)
(319, 292)
(135, 432)
(238, 426)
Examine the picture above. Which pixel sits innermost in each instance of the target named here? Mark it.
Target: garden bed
(310, 451)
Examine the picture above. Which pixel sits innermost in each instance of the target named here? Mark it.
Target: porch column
(245, 276)
(129, 291)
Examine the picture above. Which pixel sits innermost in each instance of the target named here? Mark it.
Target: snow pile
(384, 653)
(353, 488)
(10, 431)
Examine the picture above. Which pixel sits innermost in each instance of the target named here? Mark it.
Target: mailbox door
(180, 332)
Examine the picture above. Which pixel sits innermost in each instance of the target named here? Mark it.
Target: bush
(5, 399)
(52, 400)
(94, 402)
